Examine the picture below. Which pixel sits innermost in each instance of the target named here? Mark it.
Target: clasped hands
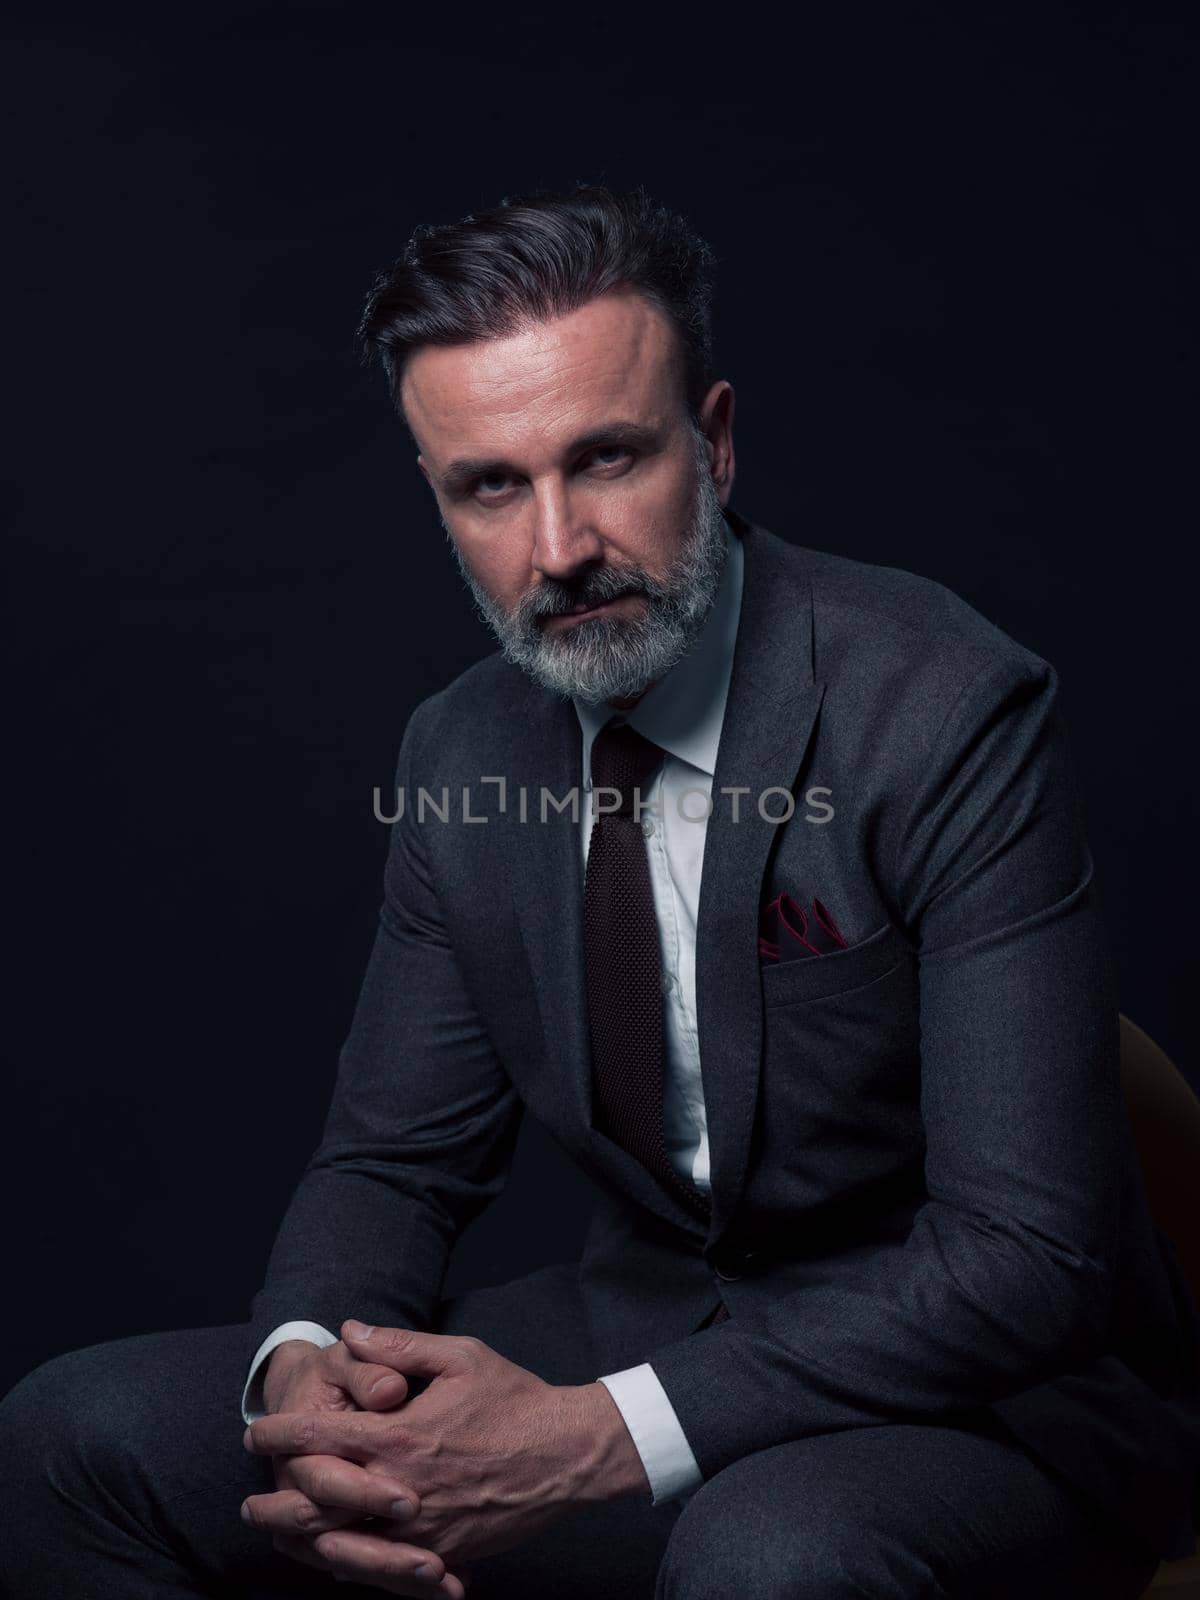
(481, 1459)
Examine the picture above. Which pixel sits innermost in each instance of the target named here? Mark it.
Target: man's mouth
(588, 608)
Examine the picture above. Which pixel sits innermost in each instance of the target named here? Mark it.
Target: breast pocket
(839, 1122)
(807, 978)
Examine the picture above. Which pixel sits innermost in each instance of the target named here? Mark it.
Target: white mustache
(587, 602)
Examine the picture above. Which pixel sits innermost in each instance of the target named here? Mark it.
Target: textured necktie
(624, 970)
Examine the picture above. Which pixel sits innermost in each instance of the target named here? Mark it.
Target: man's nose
(565, 535)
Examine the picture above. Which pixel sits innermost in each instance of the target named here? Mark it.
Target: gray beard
(615, 658)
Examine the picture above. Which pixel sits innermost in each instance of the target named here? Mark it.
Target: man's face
(583, 505)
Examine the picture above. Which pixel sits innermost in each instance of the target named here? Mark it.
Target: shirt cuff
(252, 1394)
(650, 1417)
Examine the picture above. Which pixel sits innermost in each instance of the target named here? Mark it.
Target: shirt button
(668, 982)
(648, 826)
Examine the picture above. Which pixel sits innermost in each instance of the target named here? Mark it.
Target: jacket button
(729, 1264)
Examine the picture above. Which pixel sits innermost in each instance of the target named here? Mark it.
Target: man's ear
(425, 470)
(717, 423)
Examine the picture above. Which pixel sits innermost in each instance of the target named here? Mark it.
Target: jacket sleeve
(1006, 1278)
(421, 1127)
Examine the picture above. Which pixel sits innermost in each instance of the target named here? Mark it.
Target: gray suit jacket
(925, 1194)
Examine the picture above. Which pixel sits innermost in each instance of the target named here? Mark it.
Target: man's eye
(492, 477)
(498, 480)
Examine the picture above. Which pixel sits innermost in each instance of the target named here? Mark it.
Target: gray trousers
(122, 1472)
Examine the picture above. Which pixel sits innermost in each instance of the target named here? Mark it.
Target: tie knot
(623, 759)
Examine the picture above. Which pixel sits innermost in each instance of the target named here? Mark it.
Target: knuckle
(308, 1515)
(301, 1431)
(322, 1485)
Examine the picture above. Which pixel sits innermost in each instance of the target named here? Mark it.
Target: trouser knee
(63, 1429)
(715, 1557)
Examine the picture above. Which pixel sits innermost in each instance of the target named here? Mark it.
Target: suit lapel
(769, 715)
(548, 887)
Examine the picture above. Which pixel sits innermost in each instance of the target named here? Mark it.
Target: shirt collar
(683, 711)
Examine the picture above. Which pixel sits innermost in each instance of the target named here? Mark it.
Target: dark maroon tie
(624, 970)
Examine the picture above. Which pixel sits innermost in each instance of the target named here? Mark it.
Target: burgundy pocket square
(786, 932)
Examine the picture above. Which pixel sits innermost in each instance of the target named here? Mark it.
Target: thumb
(422, 1355)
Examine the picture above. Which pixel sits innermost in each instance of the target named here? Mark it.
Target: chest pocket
(840, 1132)
(808, 978)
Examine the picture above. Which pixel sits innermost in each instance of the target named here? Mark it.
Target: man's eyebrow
(634, 435)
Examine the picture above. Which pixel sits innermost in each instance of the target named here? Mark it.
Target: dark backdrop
(956, 304)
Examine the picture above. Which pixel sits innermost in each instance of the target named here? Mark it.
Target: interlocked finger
(372, 1386)
(364, 1557)
(330, 1481)
(325, 1492)
(297, 1548)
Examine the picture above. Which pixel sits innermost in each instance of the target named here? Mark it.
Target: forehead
(616, 356)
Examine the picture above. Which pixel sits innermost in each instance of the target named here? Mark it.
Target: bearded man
(769, 896)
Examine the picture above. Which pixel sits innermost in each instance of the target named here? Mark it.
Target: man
(813, 983)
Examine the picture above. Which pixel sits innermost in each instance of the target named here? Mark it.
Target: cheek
(499, 568)
(648, 520)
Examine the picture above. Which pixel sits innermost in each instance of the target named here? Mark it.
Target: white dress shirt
(682, 713)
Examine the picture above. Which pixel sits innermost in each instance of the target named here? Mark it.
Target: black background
(956, 304)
